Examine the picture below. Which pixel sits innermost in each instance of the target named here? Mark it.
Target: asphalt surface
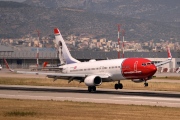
(167, 74)
(129, 97)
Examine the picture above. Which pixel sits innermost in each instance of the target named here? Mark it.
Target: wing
(162, 63)
(62, 75)
(59, 75)
(48, 68)
(167, 61)
(70, 77)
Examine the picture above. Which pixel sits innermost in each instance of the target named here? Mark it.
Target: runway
(167, 74)
(129, 97)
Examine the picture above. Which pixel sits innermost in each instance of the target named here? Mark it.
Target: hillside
(24, 19)
(156, 10)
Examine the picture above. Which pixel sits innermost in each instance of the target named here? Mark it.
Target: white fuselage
(110, 67)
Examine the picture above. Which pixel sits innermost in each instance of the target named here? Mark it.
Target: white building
(173, 66)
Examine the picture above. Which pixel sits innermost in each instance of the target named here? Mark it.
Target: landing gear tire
(94, 88)
(91, 88)
(145, 84)
(118, 86)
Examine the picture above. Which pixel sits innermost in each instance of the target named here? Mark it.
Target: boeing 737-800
(93, 73)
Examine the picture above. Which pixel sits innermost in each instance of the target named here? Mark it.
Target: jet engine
(93, 80)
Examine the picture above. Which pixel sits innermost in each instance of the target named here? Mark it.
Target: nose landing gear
(145, 84)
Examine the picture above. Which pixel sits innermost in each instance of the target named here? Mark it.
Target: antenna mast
(119, 28)
(123, 33)
(37, 54)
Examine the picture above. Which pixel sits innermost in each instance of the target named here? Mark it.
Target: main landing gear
(92, 88)
(118, 86)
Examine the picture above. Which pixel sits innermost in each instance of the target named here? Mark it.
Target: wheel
(89, 89)
(116, 86)
(120, 86)
(94, 88)
(145, 84)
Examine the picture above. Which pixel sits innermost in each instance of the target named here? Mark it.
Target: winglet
(169, 54)
(7, 66)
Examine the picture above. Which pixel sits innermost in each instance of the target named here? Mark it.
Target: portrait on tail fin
(63, 52)
(60, 53)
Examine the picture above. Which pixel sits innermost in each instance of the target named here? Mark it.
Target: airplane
(93, 73)
(38, 67)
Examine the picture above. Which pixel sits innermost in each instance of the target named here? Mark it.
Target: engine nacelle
(137, 80)
(93, 80)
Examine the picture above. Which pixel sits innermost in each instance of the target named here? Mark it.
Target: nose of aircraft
(153, 69)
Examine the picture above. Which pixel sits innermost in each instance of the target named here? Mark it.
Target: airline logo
(135, 69)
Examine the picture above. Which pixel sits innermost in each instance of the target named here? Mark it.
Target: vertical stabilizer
(169, 54)
(64, 54)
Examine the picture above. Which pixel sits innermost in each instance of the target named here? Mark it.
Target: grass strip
(12, 109)
(19, 113)
(156, 86)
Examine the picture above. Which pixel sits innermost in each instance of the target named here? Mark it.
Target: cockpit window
(144, 64)
(149, 63)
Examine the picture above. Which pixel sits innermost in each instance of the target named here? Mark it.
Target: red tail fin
(169, 54)
(45, 64)
(56, 31)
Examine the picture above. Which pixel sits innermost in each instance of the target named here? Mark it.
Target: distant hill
(156, 10)
(24, 19)
(10, 4)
